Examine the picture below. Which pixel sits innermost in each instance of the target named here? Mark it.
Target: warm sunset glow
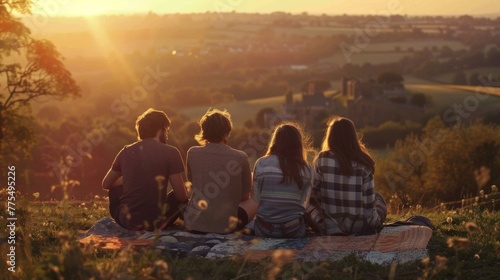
(105, 44)
(409, 7)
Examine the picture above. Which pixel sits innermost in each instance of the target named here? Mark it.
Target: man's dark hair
(148, 124)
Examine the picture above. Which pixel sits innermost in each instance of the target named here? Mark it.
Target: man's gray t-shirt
(145, 166)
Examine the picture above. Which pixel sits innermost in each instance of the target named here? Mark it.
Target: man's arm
(247, 180)
(178, 186)
(112, 179)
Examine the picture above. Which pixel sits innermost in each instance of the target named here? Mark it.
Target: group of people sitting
(282, 197)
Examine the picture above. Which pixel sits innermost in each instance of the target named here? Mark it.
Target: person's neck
(221, 142)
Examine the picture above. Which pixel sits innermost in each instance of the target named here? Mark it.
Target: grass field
(486, 71)
(242, 111)
(365, 56)
(442, 97)
(464, 245)
(446, 96)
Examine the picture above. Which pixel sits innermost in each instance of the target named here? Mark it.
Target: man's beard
(163, 138)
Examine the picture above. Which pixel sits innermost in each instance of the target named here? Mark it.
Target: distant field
(416, 45)
(442, 97)
(240, 111)
(448, 77)
(376, 53)
(365, 57)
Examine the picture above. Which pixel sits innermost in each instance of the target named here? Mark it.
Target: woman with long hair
(282, 184)
(346, 190)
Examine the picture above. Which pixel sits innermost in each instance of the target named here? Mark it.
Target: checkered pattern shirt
(347, 202)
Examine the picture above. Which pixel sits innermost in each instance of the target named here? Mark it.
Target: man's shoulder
(170, 148)
(219, 150)
(161, 147)
(238, 153)
(195, 149)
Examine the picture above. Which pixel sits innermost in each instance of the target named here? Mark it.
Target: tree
(30, 70)
(418, 99)
(319, 85)
(261, 118)
(474, 79)
(389, 78)
(459, 78)
(439, 164)
(493, 56)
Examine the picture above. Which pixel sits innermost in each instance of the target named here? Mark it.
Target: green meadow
(464, 245)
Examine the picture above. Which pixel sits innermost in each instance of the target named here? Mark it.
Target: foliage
(389, 77)
(386, 134)
(464, 245)
(438, 165)
(318, 85)
(459, 78)
(31, 70)
(419, 100)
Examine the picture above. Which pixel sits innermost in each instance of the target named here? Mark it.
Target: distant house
(371, 103)
(313, 105)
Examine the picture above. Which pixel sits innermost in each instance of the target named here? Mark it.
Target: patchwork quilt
(401, 244)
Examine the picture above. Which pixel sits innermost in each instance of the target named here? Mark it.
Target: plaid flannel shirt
(347, 202)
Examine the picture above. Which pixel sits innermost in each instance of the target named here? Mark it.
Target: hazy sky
(409, 7)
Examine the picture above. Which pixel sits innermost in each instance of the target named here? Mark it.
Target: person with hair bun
(346, 190)
(282, 184)
(220, 178)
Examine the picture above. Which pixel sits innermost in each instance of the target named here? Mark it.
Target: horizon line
(488, 15)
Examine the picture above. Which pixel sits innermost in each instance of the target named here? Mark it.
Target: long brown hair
(289, 145)
(342, 139)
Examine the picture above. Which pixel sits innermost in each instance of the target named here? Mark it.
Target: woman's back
(347, 201)
(279, 202)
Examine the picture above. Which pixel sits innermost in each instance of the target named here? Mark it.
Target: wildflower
(159, 178)
(457, 242)
(96, 197)
(494, 189)
(347, 270)
(189, 187)
(159, 269)
(441, 262)
(471, 226)
(282, 256)
(203, 204)
(477, 257)
(232, 223)
(36, 195)
(449, 220)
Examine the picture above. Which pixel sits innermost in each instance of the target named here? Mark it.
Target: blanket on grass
(401, 243)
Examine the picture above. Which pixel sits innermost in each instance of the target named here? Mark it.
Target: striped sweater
(279, 203)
